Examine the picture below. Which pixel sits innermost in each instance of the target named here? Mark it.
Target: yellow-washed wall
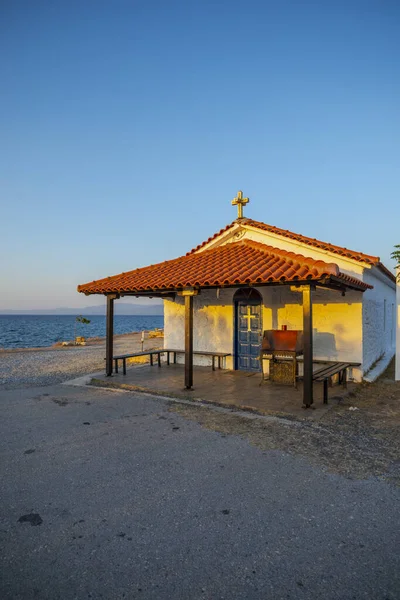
(356, 327)
(212, 324)
(337, 322)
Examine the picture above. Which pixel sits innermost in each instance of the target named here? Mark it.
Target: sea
(39, 331)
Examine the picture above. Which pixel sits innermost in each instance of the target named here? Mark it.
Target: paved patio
(234, 389)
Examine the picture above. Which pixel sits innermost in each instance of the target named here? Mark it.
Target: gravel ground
(349, 447)
(358, 438)
(356, 443)
(117, 495)
(46, 366)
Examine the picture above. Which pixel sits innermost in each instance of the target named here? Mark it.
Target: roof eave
(354, 284)
(386, 271)
(331, 281)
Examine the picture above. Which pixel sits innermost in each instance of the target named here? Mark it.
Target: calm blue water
(34, 331)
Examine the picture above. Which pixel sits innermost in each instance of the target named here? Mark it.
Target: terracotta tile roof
(345, 252)
(240, 263)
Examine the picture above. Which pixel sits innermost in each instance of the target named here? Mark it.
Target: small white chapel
(250, 277)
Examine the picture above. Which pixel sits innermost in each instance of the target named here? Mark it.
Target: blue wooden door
(248, 336)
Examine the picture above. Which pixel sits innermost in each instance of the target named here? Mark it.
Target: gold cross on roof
(240, 202)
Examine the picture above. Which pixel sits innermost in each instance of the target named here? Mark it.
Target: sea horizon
(50, 314)
(120, 308)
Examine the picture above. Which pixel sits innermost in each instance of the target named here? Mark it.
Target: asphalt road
(110, 495)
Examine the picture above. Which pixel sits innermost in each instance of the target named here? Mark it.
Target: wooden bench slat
(329, 371)
(133, 354)
(205, 352)
(326, 373)
(332, 367)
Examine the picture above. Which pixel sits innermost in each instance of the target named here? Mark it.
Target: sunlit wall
(337, 321)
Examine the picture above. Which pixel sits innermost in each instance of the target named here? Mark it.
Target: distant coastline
(121, 308)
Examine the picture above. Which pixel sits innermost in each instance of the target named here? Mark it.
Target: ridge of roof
(298, 237)
(313, 242)
(346, 252)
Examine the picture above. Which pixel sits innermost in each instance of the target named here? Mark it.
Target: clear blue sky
(128, 126)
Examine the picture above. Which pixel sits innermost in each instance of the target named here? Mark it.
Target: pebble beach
(35, 367)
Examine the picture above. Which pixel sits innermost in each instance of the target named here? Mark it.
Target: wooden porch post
(110, 334)
(188, 295)
(308, 346)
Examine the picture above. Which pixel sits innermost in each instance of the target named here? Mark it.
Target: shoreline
(36, 367)
(90, 342)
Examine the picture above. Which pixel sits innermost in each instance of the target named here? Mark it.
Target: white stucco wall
(379, 319)
(337, 322)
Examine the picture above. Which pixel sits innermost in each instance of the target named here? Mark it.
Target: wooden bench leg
(167, 358)
(326, 390)
(159, 359)
(213, 363)
(344, 378)
(174, 358)
(219, 362)
(151, 360)
(262, 370)
(124, 366)
(116, 365)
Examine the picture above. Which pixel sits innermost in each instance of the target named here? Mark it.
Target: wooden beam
(188, 341)
(308, 347)
(110, 334)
